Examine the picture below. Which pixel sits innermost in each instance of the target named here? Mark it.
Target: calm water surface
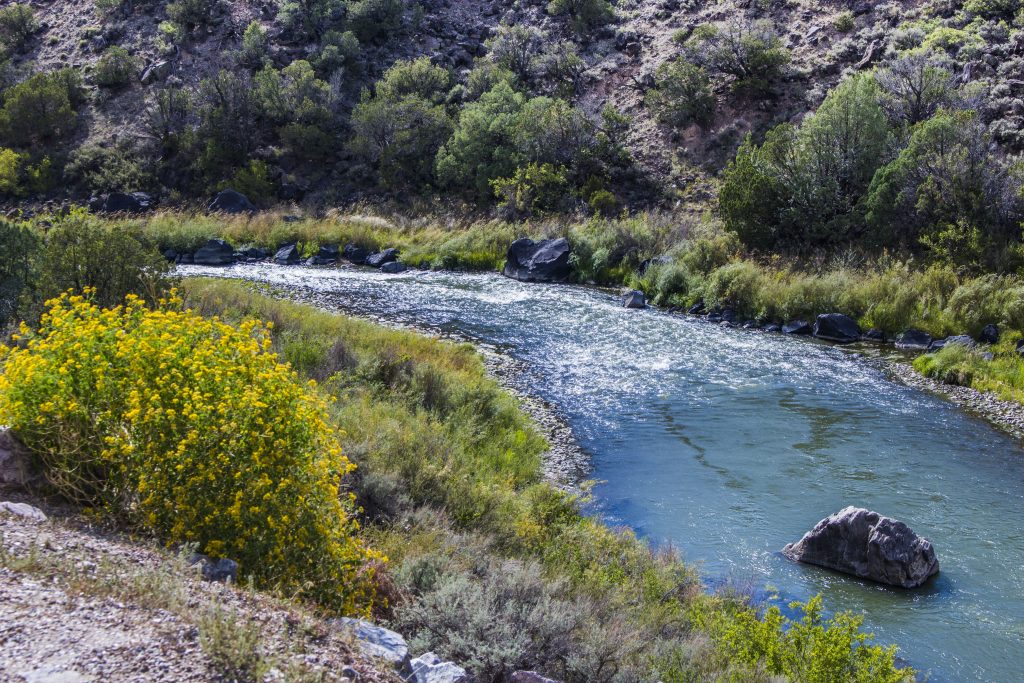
(729, 444)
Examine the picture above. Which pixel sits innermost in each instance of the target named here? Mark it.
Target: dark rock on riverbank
(354, 254)
(287, 255)
(214, 253)
(634, 299)
(696, 309)
(797, 327)
(119, 202)
(229, 201)
(961, 339)
(394, 267)
(772, 327)
(381, 257)
(327, 254)
(254, 252)
(913, 340)
(989, 335)
(874, 335)
(544, 261)
(867, 545)
(836, 327)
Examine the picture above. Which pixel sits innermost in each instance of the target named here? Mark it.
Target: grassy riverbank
(491, 566)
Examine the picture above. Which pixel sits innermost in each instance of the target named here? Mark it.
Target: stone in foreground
(530, 677)
(378, 259)
(23, 510)
(376, 641)
(836, 327)
(287, 255)
(429, 668)
(544, 261)
(867, 545)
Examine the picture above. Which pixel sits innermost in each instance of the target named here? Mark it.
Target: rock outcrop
(214, 253)
(867, 545)
(544, 261)
(288, 255)
(429, 668)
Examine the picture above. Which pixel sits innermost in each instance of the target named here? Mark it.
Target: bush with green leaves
(19, 176)
(41, 108)
(309, 19)
(253, 52)
(682, 94)
(585, 14)
(749, 51)
(374, 20)
(400, 127)
(123, 167)
(915, 86)
(117, 67)
(531, 190)
(192, 14)
(299, 106)
(19, 242)
(339, 52)
(17, 25)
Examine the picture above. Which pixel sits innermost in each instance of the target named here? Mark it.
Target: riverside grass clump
(190, 428)
(495, 568)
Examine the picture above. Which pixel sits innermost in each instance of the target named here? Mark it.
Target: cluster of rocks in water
(218, 252)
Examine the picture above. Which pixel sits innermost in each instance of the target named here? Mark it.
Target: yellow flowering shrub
(192, 428)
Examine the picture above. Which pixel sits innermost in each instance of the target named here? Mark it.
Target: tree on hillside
(749, 51)
(914, 87)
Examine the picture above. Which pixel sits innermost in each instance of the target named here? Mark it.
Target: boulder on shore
(288, 255)
(378, 259)
(355, 254)
(214, 253)
(394, 267)
(867, 545)
(326, 255)
(989, 335)
(634, 299)
(229, 201)
(798, 327)
(913, 340)
(120, 202)
(544, 261)
(836, 327)
(874, 335)
(961, 339)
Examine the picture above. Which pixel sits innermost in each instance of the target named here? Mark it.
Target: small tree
(41, 108)
(914, 87)
(586, 14)
(371, 20)
(749, 51)
(253, 52)
(17, 25)
(191, 14)
(682, 94)
(514, 48)
(116, 68)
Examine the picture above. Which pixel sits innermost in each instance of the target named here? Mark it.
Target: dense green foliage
(117, 67)
(682, 94)
(17, 25)
(748, 51)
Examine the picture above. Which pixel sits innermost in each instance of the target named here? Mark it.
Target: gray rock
(377, 641)
(287, 255)
(867, 545)
(221, 571)
(913, 340)
(797, 327)
(634, 299)
(170, 254)
(229, 201)
(772, 327)
(250, 251)
(355, 254)
(429, 668)
(530, 677)
(836, 327)
(989, 335)
(23, 510)
(961, 339)
(157, 71)
(544, 261)
(379, 258)
(214, 253)
(326, 255)
(15, 467)
(696, 309)
(394, 267)
(1020, 348)
(874, 335)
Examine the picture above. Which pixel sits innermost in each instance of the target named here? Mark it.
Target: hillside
(151, 114)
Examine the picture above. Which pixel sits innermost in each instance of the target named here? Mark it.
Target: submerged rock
(214, 253)
(381, 257)
(634, 299)
(836, 327)
(229, 201)
(544, 261)
(913, 340)
(798, 327)
(394, 267)
(867, 545)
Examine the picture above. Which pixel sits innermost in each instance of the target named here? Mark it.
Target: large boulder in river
(379, 258)
(214, 253)
(634, 299)
(836, 327)
(544, 261)
(913, 340)
(229, 201)
(867, 545)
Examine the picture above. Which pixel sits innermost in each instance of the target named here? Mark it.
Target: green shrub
(117, 67)
(191, 14)
(254, 182)
(749, 51)
(844, 21)
(19, 244)
(372, 20)
(993, 9)
(682, 94)
(533, 189)
(17, 25)
(253, 52)
(191, 428)
(19, 177)
(41, 108)
(586, 14)
(118, 168)
(339, 50)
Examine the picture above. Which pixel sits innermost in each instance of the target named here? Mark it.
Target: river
(728, 444)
